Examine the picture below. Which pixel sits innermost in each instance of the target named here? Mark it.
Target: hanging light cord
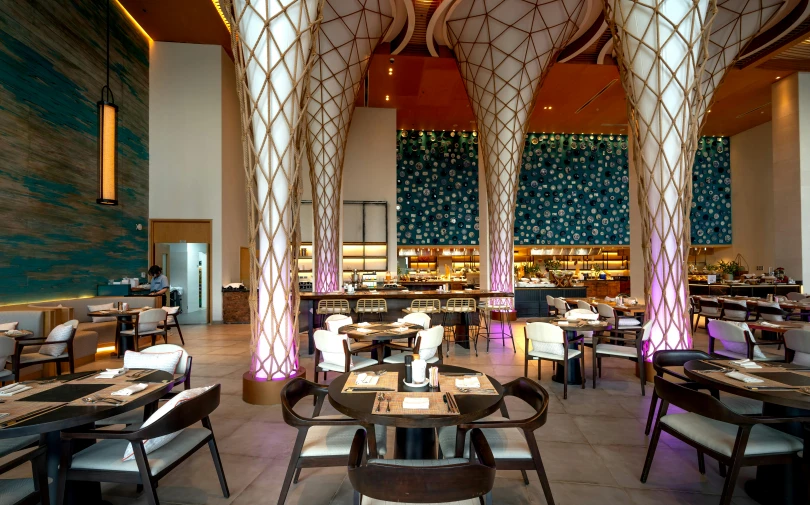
(106, 87)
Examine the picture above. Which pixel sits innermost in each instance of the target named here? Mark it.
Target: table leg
(311, 327)
(415, 443)
(574, 368)
(76, 493)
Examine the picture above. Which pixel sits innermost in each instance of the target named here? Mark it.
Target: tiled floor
(593, 444)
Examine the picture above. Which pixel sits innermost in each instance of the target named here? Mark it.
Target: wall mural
(57, 242)
(574, 190)
(437, 188)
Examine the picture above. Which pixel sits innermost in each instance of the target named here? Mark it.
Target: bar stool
(327, 308)
(505, 317)
(427, 306)
(485, 308)
(371, 306)
(463, 307)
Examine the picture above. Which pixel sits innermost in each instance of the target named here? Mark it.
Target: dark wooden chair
(171, 322)
(26, 491)
(708, 308)
(719, 432)
(549, 343)
(20, 360)
(630, 347)
(511, 440)
(101, 462)
(733, 310)
(322, 441)
(423, 481)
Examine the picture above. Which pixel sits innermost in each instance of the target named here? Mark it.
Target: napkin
(111, 373)
(416, 403)
(399, 322)
(418, 292)
(745, 378)
(13, 389)
(468, 382)
(746, 363)
(363, 330)
(769, 324)
(131, 390)
(364, 323)
(365, 379)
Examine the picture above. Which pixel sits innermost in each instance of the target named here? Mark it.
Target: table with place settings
(571, 330)
(382, 402)
(45, 407)
(380, 333)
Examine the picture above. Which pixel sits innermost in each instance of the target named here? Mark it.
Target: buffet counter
(531, 301)
(756, 290)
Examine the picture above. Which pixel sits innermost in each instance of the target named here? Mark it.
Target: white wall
(195, 149)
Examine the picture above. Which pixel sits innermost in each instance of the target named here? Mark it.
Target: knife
(452, 401)
(455, 374)
(360, 388)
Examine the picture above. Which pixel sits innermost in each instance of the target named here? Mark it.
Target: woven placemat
(107, 393)
(388, 380)
(13, 410)
(437, 405)
(448, 384)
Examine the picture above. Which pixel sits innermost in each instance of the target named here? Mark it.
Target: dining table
(783, 484)
(415, 429)
(632, 310)
(129, 316)
(380, 333)
(570, 330)
(70, 401)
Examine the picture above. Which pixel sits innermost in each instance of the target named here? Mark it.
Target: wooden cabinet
(601, 289)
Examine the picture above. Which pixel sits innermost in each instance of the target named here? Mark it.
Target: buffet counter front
(531, 302)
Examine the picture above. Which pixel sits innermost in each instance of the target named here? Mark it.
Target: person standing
(159, 284)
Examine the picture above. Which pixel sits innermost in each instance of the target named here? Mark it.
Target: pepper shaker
(408, 369)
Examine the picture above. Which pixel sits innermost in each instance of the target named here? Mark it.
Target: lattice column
(349, 33)
(661, 46)
(504, 50)
(273, 48)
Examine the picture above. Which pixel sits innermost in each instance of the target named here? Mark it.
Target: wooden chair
(709, 308)
(715, 430)
(561, 305)
(428, 346)
(376, 306)
(620, 324)
(797, 347)
(6, 352)
(422, 481)
(634, 351)
(336, 353)
(464, 308)
(548, 343)
(322, 441)
(26, 491)
(171, 322)
(20, 360)
(738, 341)
(150, 322)
(101, 462)
(551, 304)
(422, 319)
(771, 311)
(733, 310)
(335, 322)
(512, 441)
(694, 310)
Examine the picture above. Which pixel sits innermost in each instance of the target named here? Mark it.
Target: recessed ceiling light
(386, 98)
(778, 77)
(709, 110)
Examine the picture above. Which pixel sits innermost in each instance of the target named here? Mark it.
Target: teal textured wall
(56, 241)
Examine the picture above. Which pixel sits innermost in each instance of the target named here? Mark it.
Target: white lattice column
(661, 49)
(504, 50)
(273, 49)
(349, 32)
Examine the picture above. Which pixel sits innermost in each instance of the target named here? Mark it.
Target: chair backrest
(532, 393)
(646, 332)
(695, 302)
(419, 318)
(710, 306)
(6, 348)
(331, 347)
(551, 301)
(795, 296)
(605, 310)
(544, 332)
(734, 308)
(182, 416)
(430, 341)
(426, 305)
(698, 403)
(182, 365)
(171, 314)
(726, 331)
(423, 481)
(333, 306)
(74, 323)
(797, 341)
(582, 304)
(295, 391)
(561, 305)
(770, 311)
(676, 357)
(585, 314)
(337, 321)
(149, 319)
(371, 305)
(461, 305)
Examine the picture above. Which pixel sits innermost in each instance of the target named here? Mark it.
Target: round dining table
(570, 330)
(129, 316)
(415, 434)
(783, 484)
(380, 333)
(49, 424)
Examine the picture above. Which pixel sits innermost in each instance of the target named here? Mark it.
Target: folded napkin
(746, 363)
(769, 324)
(418, 292)
(365, 379)
(399, 322)
(363, 330)
(111, 373)
(401, 329)
(13, 389)
(745, 378)
(416, 403)
(364, 323)
(468, 382)
(131, 390)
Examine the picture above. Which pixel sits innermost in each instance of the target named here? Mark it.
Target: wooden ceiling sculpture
(504, 48)
(274, 51)
(349, 32)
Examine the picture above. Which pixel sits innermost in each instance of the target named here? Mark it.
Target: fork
(96, 398)
(380, 399)
(388, 407)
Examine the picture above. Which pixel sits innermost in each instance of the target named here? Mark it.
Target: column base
(649, 371)
(266, 392)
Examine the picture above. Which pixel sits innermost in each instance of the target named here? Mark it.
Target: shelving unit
(365, 257)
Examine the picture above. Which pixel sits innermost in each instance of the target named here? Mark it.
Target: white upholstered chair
(552, 305)
(561, 305)
(6, 351)
(336, 354)
(148, 324)
(615, 319)
(419, 318)
(797, 343)
(172, 322)
(428, 346)
(548, 343)
(796, 296)
(709, 308)
(738, 341)
(634, 351)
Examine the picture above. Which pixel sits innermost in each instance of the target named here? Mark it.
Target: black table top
(359, 405)
(72, 416)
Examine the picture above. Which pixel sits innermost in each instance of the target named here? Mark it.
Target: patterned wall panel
(56, 241)
(573, 190)
(437, 188)
(711, 192)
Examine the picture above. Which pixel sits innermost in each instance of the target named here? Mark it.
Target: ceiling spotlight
(778, 77)
(386, 98)
(708, 111)
(390, 71)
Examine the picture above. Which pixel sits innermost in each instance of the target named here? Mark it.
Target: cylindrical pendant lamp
(107, 149)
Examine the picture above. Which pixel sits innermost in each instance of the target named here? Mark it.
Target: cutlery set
(383, 398)
(450, 401)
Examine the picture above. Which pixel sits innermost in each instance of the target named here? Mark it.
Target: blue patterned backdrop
(574, 189)
(56, 241)
(437, 188)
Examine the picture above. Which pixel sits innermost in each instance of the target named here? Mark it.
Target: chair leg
(721, 468)
(288, 477)
(297, 474)
(599, 360)
(541, 471)
(642, 372)
(651, 414)
(525, 477)
(565, 380)
(593, 376)
(180, 334)
(212, 446)
(651, 452)
(731, 479)
(701, 463)
(526, 366)
(64, 464)
(582, 367)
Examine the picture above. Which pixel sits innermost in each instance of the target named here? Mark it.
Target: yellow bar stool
(371, 306)
(327, 308)
(463, 308)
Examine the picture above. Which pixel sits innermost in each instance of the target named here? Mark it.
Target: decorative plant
(552, 265)
(728, 267)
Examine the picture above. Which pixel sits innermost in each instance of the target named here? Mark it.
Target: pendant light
(107, 137)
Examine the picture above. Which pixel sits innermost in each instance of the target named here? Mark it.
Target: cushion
(572, 353)
(337, 440)
(9, 445)
(400, 358)
(720, 436)
(8, 326)
(15, 490)
(104, 306)
(106, 454)
(165, 361)
(60, 333)
(625, 322)
(742, 405)
(624, 351)
(506, 443)
(155, 443)
(547, 348)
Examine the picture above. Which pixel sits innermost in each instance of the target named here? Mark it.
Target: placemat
(389, 380)
(107, 393)
(64, 393)
(767, 383)
(437, 405)
(448, 384)
(18, 409)
(784, 377)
